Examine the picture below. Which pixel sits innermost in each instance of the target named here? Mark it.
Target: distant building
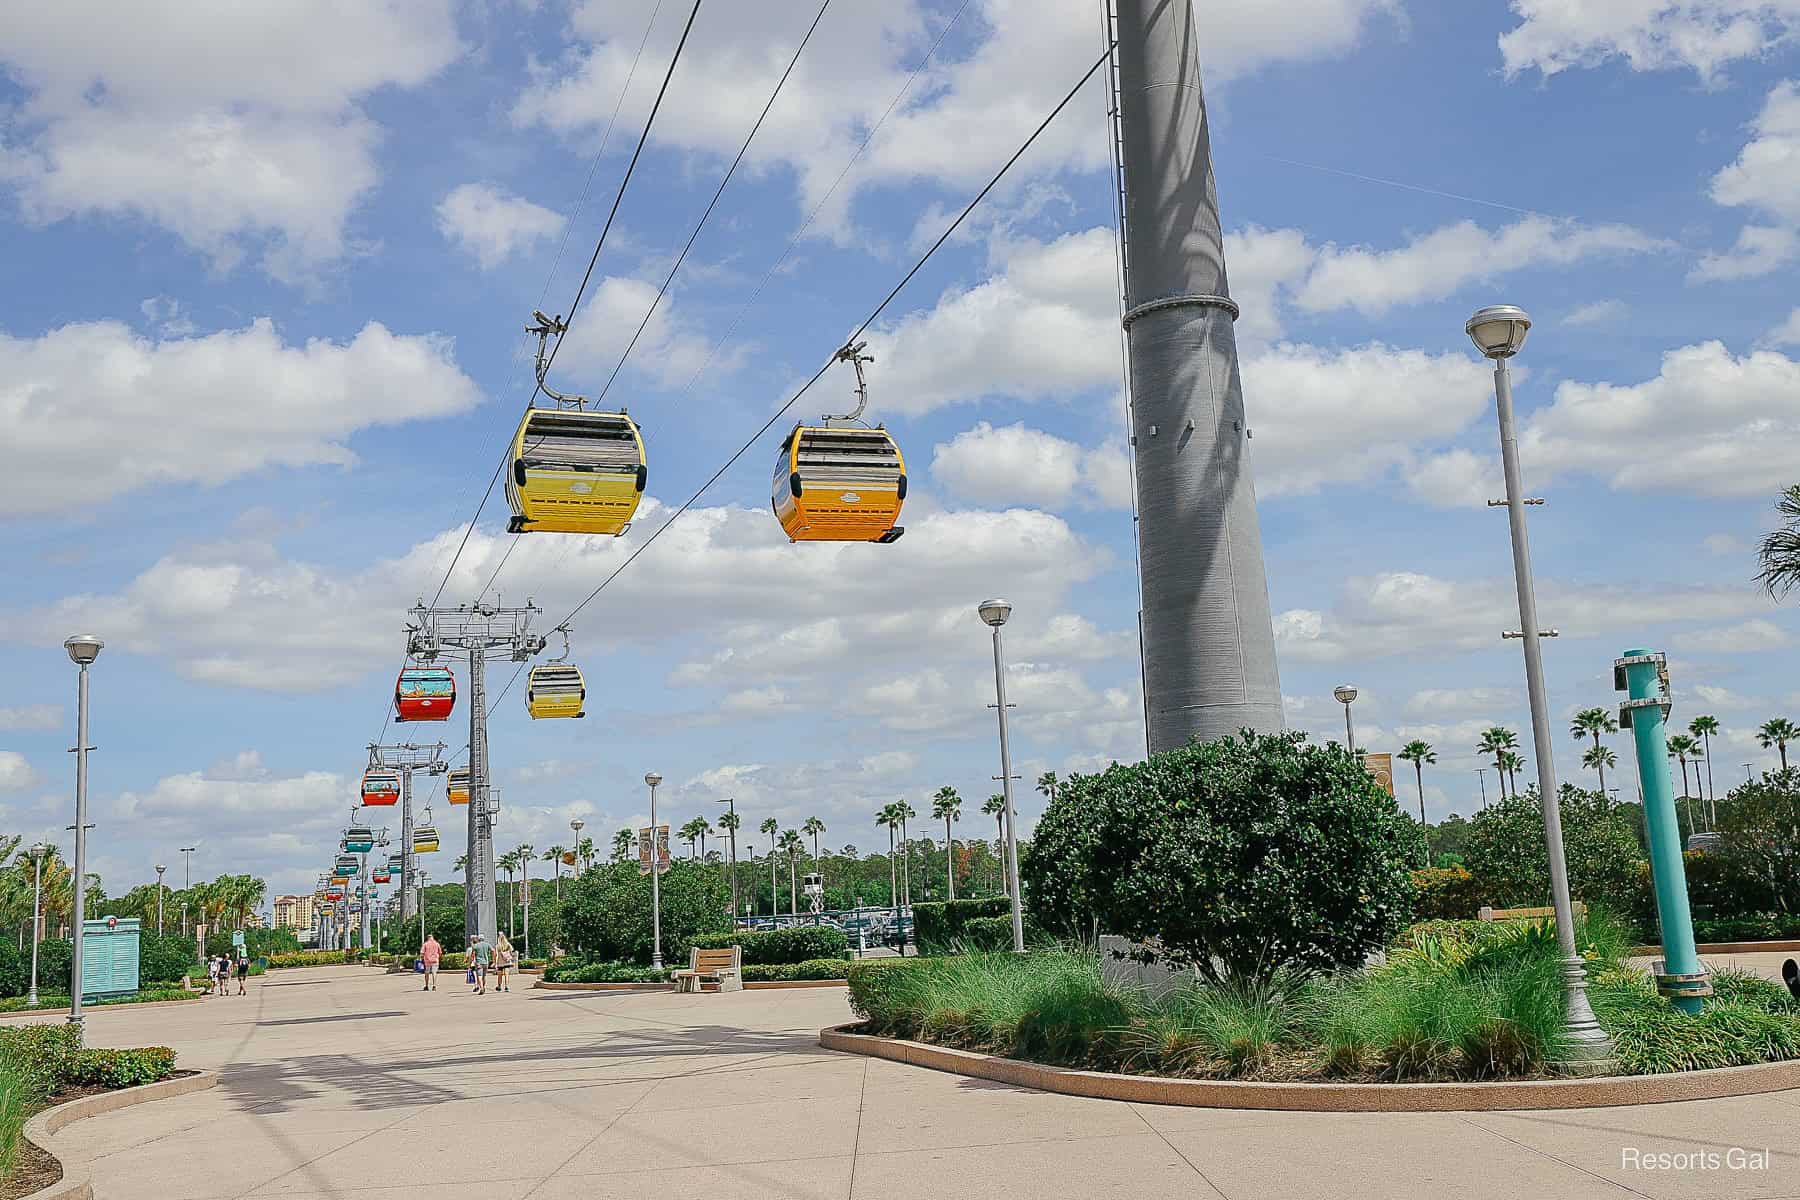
(295, 912)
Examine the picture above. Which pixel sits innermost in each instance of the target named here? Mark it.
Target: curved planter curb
(90, 1008)
(603, 987)
(1330, 1097)
(758, 985)
(1782, 946)
(42, 1127)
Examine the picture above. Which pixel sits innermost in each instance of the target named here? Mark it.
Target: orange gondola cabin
(380, 787)
(424, 694)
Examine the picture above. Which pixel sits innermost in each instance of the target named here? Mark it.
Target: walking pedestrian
(484, 959)
(504, 958)
(243, 972)
(431, 954)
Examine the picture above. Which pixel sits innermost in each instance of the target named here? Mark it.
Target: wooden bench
(712, 971)
(1529, 914)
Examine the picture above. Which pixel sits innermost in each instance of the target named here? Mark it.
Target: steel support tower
(1208, 640)
(405, 758)
(482, 631)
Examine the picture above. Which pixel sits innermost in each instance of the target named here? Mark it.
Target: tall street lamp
(730, 803)
(995, 613)
(575, 826)
(1498, 331)
(1345, 694)
(37, 915)
(652, 778)
(160, 868)
(83, 649)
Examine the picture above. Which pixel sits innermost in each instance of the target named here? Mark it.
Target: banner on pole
(1381, 766)
(644, 850)
(662, 850)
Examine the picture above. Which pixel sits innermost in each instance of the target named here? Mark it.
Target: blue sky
(263, 276)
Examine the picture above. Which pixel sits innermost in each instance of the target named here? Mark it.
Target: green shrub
(817, 968)
(800, 943)
(1748, 927)
(165, 958)
(119, 1068)
(1225, 1030)
(15, 969)
(14, 1109)
(1242, 856)
(581, 971)
(606, 912)
(1445, 892)
(37, 1056)
(940, 924)
(1506, 854)
(1747, 1021)
(308, 958)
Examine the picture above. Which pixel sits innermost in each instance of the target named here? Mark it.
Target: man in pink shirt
(432, 953)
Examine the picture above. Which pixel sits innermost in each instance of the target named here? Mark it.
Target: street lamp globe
(1499, 330)
(995, 612)
(1344, 693)
(652, 778)
(83, 648)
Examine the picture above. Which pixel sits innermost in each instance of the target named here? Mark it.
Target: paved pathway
(344, 1082)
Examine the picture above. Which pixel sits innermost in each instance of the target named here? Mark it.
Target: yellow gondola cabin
(555, 690)
(839, 484)
(575, 472)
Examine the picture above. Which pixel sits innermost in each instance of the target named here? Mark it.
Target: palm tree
(1510, 765)
(1780, 550)
(887, 820)
(1418, 753)
(1703, 727)
(769, 826)
(691, 834)
(1496, 742)
(553, 856)
(813, 827)
(525, 851)
(1600, 758)
(995, 807)
(794, 848)
(1592, 722)
(507, 862)
(1685, 746)
(1046, 785)
(1778, 732)
(946, 806)
(622, 843)
(584, 852)
(905, 813)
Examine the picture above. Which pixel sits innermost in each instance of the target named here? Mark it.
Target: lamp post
(1481, 777)
(421, 876)
(1345, 694)
(575, 826)
(652, 778)
(994, 613)
(83, 649)
(187, 882)
(1499, 331)
(37, 918)
(1749, 774)
(730, 803)
(160, 868)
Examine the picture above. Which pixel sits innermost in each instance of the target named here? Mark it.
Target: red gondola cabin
(424, 694)
(380, 787)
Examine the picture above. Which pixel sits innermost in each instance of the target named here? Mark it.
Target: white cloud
(1787, 333)
(15, 772)
(1437, 264)
(1456, 479)
(1747, 637)
(1724, 545)
(1410, 615)
(204, 409)
(1018, 464)
(1700, 35)
(491, 224)
(1443, 702)
(1718, 697)
(757, 702)
(32, 716)
(1600, 312)
(670, 349)
(235, 128)
(1759, 250)
(962, 119)
(1710, 423)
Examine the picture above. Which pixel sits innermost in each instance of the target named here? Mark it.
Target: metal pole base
(1589, 1051)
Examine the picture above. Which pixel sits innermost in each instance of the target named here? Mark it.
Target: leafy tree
(1506, 855)
(1242, 856)
(1779, 553)
(1777, 732)
(605, 913)
(1451, 837)
(1418, 753)
(1761, 833)
(1496, 742)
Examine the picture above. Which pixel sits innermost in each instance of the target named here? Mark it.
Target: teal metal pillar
(1644, 675)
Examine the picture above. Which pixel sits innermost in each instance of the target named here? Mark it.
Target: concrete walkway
(345, 1082)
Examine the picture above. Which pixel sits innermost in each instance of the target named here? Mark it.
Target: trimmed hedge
(939, 925)
(1446, 893)
(568, 971)
(871, 981)
(38, 1056)
(801, 943)
(818, 968)
(307, 958)
(119, 1068)
(1750, 927)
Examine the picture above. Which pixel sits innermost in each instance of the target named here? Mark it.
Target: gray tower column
(1208, 637)
(478, 891)
(406, 850)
